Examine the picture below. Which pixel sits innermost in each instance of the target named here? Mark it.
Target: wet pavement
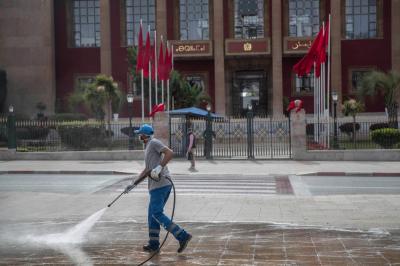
(262, 220)
(119, 243)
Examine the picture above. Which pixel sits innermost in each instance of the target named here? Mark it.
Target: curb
(90, 172)
(378, 174)
(65, 172)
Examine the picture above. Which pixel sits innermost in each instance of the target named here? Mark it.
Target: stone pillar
(161, 23)
(336, 50)
(161, 127)
(277, 80)
(396, 37)
(27, 54)
(105, 35)
(298, 134)
(219, 58)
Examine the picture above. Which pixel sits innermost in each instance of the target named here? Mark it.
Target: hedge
(386, 137)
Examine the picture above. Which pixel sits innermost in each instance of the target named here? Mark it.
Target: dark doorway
(249, 88)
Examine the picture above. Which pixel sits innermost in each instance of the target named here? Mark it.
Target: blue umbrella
(193, 111)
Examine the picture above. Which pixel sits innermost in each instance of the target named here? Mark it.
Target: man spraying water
(157, 156)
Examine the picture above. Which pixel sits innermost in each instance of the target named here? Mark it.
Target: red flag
(157, 108)
(139, 55)
(296, 104)
(161, 65)
(305, 64)
(321, 50)
(146, 56)
(153, 62)
(168, 62)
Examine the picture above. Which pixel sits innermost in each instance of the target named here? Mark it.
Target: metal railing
(345, 135)
(48, 135)
(234, 137)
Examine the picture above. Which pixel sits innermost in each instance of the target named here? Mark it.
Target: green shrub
(68, 117)
(3, 132)
(348, 128)
(378, 126)
(83, 137)
(386, 137)
(32, 132)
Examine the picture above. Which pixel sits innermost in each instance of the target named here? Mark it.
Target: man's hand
(155, 173)
(129, 188)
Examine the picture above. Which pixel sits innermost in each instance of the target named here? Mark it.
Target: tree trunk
(354, 131)
(109, 114)
(392, 115)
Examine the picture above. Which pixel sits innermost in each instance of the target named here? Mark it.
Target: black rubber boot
(150, 249)
(183, 244)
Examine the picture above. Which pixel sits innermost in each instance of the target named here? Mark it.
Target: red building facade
(246, 64)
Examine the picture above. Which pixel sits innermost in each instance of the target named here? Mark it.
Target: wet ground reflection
(213, 244)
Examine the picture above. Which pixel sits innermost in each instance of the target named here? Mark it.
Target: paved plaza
(239, 212)
(119, 243)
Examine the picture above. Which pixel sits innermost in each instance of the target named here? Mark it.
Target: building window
(249, 19)
(198, 80)
(86, 23)
(303, 18)
(194, 17)
(361, 19)
(136, 90)
(304, 84)
(137, 10)
(84, 81)
(356, 76)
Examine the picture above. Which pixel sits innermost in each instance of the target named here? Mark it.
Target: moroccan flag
(168, 62)
(321, 50)
(304, 66)
(139, 55)
(146, 56)
(157, 108)
(153, 62)
(161, 65)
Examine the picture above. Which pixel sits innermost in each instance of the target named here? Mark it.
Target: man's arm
(142, 176)
(168, 154)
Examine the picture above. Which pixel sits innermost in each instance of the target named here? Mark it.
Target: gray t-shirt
(152, 158)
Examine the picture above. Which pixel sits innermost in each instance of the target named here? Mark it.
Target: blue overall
(156, 217)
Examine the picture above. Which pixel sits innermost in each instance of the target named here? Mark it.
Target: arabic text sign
(297, 45)
(192, 48)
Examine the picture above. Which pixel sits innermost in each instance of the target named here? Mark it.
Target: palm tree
(185, 94)
(389, 85)
(102, 95)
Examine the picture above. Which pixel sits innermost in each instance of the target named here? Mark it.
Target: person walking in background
(156, 157)
(191, 140)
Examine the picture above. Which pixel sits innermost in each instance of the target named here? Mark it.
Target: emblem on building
(247, 47)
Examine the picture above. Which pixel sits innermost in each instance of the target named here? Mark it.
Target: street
(236, 219)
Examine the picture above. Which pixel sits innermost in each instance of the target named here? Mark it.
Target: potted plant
(352, 108)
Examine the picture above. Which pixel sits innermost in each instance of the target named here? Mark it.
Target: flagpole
(148, 29)
(329, 74)
(162, 81)
(142, 93)
(155, 69)
(172, 67)
(315, 104)
(168, 79)
(322, 89)
(162, 91)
